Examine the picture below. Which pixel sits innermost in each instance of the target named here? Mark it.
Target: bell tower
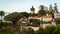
(32, 10)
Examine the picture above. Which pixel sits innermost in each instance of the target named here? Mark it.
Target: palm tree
(2, 14)
(41, 12)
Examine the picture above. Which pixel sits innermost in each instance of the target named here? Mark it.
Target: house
(46, 18)
(57, 18)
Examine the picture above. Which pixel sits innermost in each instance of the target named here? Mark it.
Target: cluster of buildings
(47, 18)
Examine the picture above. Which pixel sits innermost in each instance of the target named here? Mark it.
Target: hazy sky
(25, 5)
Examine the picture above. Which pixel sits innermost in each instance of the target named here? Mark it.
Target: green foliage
(23, 31)
(2, 13)
(41, 12)
(50, 29)
(47, 30)
(5, 24)
(33, 14)
(30, 31)
(40, 31)
(25, 14)
(18, 27)
(57, 30)
(5, 31)
(14, 17)
(55, 8)
(35, 22)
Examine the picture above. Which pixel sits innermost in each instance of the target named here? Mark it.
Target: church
(46, 18)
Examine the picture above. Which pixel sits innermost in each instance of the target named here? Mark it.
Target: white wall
(56, 15)
(47, 19)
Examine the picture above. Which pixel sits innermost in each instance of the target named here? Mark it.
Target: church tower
(32, 10)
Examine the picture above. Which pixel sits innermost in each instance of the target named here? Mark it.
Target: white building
(57, 18)
(56, 15)
(46, 18)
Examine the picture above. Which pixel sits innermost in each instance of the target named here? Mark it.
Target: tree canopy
(2, 13)
(41, 12)
(14, 17)
(25, 14)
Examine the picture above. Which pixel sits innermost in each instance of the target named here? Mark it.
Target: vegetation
(13, 28)
(7, 31)
(25, 14)
(30, 31)
(47, 30)
(40, 31)
(14, 17)
(2, 13)
(35, 23)
(23, 31)
(50, 29)
(41, 12)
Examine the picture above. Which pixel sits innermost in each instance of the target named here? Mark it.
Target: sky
(25, 5)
